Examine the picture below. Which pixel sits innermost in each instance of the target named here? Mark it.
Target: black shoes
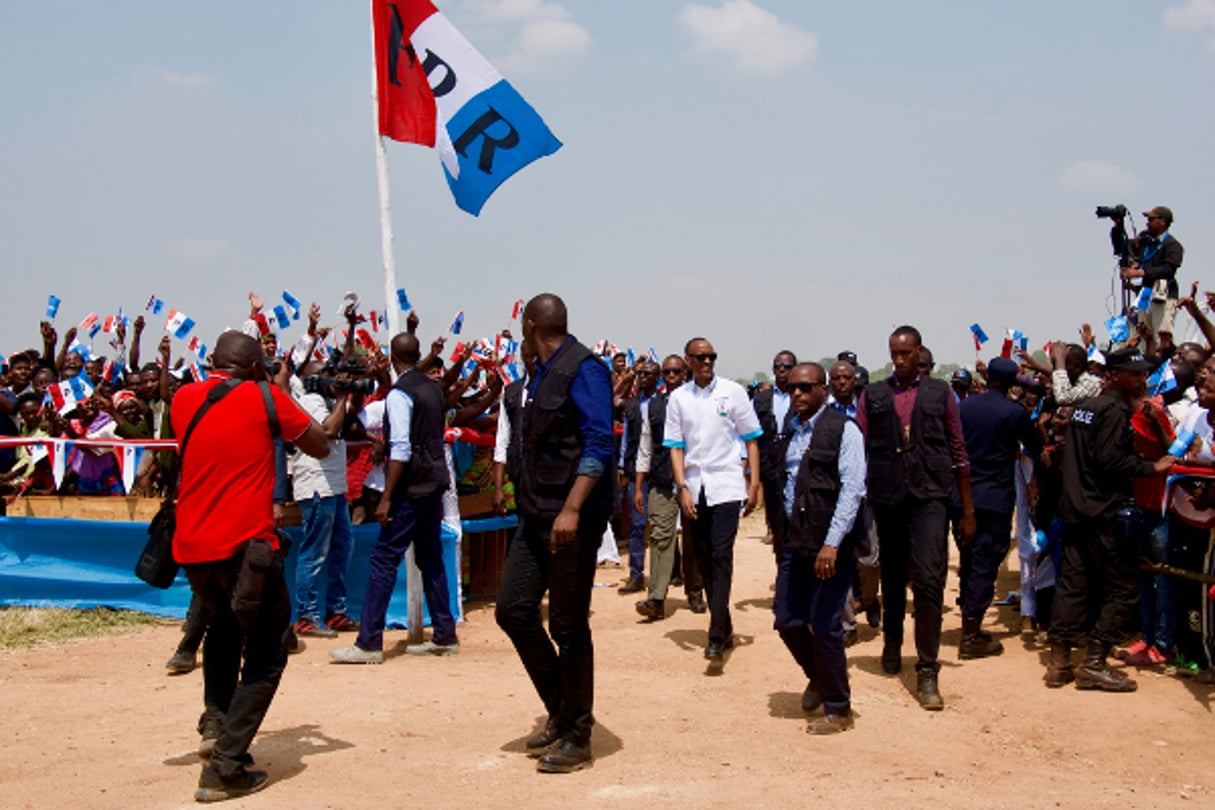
(696, 602)
(892, 657)
(182, 662)
(873, 613)
(566, 756)
(543, 740)
(810, 699)
(1059, 672)
(1095, 672)
(208, 729)
(851, 637)
(716, 649)
(634, 585)
(926, 691)
(975, 643)
(830, 724)
(214, 788)
(652, 609)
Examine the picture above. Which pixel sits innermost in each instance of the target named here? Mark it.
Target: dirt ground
(99, 723)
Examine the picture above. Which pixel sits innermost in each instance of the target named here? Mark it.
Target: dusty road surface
(98, 723)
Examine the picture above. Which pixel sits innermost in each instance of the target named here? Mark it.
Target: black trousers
(713, 534)
(561, 666)
(912, 536)
(236, 692)
(1097, 590)
(193, 633)
(981, 560)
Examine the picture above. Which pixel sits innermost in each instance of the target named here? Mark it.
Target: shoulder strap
(276, 429)
(213, 396)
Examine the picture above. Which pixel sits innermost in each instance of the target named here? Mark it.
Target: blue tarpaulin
(50, 562)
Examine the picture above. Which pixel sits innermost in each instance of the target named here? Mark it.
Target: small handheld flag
(1119, 329)
(1161, 380)
(403, 299)
(457, 323)
(653, 356)
(280, 314)
(178, 324)
(979, 335)
(155, 305)
(516, 310)
(52, 306)
(631, 357)
(88, 322)
(1184, 439)
(294, 303)
(93, 330)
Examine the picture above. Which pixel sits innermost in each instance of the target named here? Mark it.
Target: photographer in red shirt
(225, 540)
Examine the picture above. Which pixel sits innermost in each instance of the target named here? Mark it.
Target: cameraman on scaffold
(1158, 255)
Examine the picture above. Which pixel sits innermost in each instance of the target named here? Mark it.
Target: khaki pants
(663, 510)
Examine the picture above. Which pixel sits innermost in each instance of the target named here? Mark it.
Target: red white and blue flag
(434, 89)
(65, 396)
(457, 323)
(178, 323)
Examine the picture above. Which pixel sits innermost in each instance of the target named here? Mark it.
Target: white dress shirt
(707, 424)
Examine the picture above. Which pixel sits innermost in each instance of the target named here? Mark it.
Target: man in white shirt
(319, 487)
(706, 419)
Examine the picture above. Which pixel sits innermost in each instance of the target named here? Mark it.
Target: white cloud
(1096, 177)
(1193, 15)
(754, 40)
(196, 248)
(173, 78)
(539, 31)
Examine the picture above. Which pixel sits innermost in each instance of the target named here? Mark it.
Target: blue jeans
(1157, 607)
(637, 532)
(327, 538)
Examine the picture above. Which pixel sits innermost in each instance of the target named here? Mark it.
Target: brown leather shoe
(1095, 672)
(633, 585)
(830, 724)
(653, 609)
(1059, 671)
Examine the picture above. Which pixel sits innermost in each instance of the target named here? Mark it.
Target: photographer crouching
(1157, 255)
(319, 487)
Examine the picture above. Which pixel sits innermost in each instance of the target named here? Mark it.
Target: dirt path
(98, 723)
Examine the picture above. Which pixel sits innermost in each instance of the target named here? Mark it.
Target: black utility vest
(660, 474)
(919, 467)
(817, 490)
(512, 404)
(426, 471)
(552, 443)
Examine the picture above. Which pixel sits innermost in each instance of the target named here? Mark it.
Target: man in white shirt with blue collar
(706, 419)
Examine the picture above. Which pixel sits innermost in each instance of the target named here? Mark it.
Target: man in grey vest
(917, 453)
(821, 529)
(411, 511)
(564, 497)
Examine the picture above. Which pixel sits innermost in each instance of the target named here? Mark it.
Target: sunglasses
(678, 371)
(806, 388)
(785, 366)
(711, 357)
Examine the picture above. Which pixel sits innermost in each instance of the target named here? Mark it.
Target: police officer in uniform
(564, 497)
(1098, 586)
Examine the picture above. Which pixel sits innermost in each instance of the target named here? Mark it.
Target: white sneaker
(430, 648)
(354, 654)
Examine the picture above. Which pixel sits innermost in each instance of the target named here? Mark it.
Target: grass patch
(24, 627)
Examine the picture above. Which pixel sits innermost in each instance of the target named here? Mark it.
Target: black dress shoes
(652, 609)
(567, 756)
(543, 740)
(634, 585)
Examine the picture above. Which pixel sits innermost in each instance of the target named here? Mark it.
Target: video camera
(328, 384)
(1121, 242)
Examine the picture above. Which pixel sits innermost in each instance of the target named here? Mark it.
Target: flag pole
(413, 575)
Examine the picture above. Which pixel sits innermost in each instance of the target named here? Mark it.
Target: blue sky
(767, 173)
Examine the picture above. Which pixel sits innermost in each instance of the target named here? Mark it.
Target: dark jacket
(919, 467)
(816, 491)
(771, 457)
(1099, 460)
(552, 443)
(426, 471)
(995, 427)
(1159, 260)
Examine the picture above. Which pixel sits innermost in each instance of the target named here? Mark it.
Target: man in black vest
(411, 511)
(564, 496)
(772, 407)
(635, 409)
(823, 488)
(913, 436)
(508, 454)
(653, 468)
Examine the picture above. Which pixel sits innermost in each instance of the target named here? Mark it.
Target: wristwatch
(680, 488)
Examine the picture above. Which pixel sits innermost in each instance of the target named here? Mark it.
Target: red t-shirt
(1152, 437)
(227, 481)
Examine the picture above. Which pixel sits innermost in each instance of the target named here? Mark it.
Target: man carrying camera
(225, 541)
(319, 487)
(1158, 255)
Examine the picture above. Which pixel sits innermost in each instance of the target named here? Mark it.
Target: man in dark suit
(772, 407)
